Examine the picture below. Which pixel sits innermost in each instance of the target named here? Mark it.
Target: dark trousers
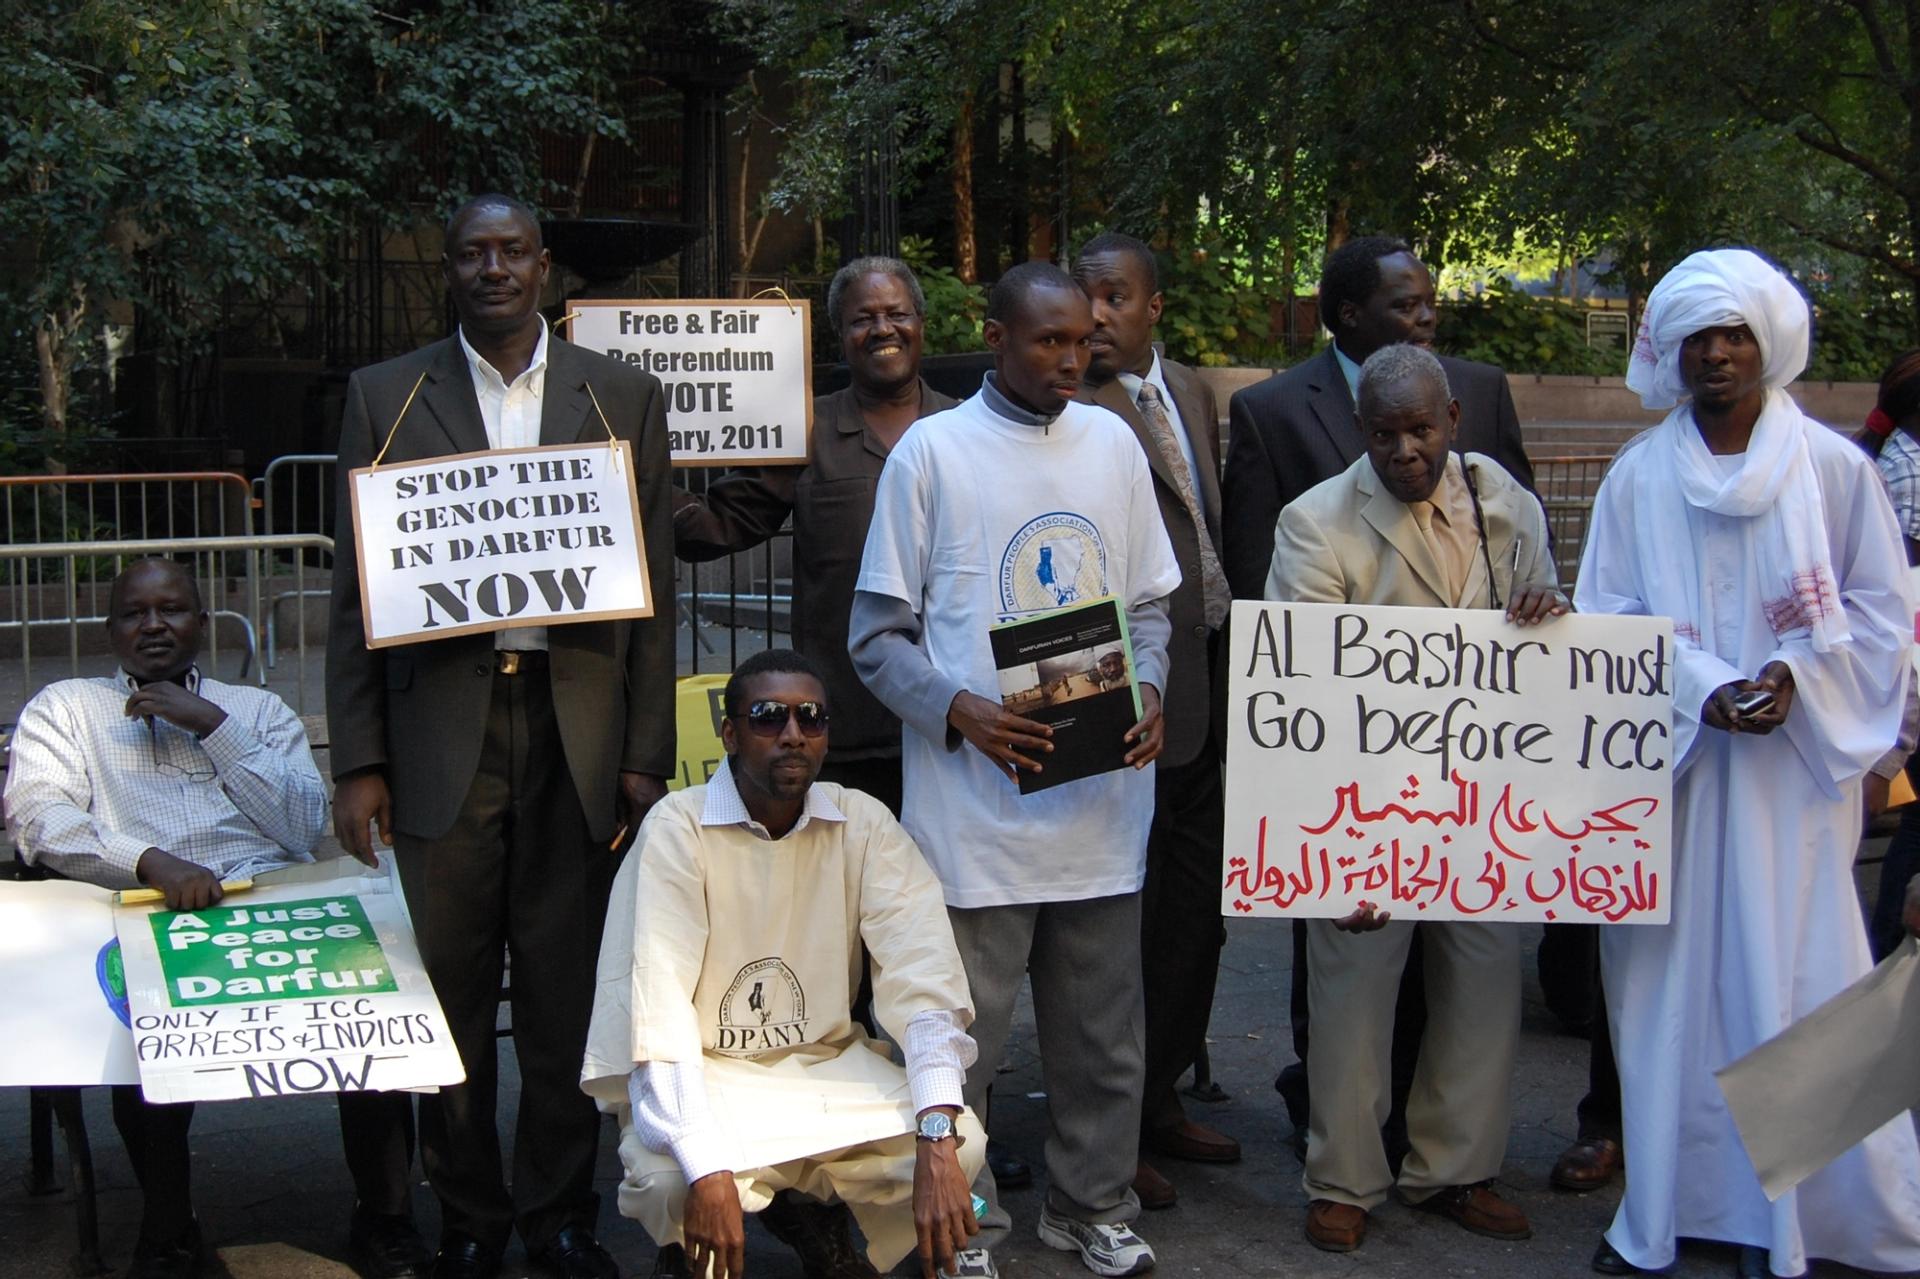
(1570, 979)
(1901, 865)
(1181, 931)
(1409, 1026)
(376, 1130)
(516, 875)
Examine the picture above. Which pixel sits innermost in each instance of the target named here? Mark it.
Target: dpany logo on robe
(765, 1008)
(1054, 560)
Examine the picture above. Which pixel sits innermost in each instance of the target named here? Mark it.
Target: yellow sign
(697, 714)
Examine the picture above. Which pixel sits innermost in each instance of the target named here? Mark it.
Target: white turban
(1717, 288)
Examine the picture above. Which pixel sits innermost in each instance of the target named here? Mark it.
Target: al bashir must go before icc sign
(1446, 764)
(738, 375)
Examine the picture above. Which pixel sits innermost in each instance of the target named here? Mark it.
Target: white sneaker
(971, 1263)
(1104, 1249)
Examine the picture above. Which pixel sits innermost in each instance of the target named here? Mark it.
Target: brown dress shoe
(1335, 1227)
(1151, 1189)
(1188, 1140)
(1478, 1209)
(1587, 1164)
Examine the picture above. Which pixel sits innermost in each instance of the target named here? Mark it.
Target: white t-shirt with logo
(980, 520)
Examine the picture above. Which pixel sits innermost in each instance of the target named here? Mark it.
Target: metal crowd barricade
(218, 564)
(61, 510)
(294, 495)
(1567, 486)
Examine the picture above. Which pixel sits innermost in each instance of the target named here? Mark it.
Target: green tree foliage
(168, 155)
(1620, 135)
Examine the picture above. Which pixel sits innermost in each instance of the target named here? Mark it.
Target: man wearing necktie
(1414, 524)
(1172, 412)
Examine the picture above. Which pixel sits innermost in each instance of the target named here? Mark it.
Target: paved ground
(274, 1195)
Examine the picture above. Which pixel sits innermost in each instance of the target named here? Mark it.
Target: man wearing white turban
(1770, 543)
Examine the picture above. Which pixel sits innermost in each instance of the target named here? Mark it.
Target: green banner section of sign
(238, 954)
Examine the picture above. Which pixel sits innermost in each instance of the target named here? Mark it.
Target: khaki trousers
(1460, 1108)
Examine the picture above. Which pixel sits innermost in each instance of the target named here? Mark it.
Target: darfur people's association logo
(1054, 560)
(764, 1009)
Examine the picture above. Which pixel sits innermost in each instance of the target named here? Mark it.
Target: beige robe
(744, 953)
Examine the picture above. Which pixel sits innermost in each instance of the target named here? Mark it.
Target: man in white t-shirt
(1013, 503)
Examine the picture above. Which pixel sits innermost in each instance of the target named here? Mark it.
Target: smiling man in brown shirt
(878, 312)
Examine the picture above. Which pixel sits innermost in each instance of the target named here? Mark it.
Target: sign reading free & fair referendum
(738, 375)
(509, 537)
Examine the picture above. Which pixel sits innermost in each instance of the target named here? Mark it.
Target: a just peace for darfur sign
(737, 375)
(279, 992)
(505, 538)
(1445, 764)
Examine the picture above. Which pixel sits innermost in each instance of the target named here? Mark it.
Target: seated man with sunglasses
(159, 775)
(722, 1036)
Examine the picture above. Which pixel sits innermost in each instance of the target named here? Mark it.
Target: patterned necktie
(1213, 582)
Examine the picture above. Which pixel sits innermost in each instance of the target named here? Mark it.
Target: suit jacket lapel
(566, 410)
(1391, 519)
(1333, 406)
(1113, 395)
(448, 397)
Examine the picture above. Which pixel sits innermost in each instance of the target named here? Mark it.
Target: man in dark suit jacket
(1293, 431)
(508, 766)
(1181, 929)
(1296, 430)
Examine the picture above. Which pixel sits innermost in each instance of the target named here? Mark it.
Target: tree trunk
(53, 352)
(966, 253)
(1339, 230)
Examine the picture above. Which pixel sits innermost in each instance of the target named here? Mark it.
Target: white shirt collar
(487, 377)
(1133, 381)
(724, 807)
(1348, 369)
(125, 681)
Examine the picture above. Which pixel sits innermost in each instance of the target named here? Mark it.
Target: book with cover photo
(1071, 669)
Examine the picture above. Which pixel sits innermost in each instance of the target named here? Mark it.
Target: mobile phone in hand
(1752, 702)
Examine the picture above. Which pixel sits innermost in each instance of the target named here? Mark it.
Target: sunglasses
(769, 719)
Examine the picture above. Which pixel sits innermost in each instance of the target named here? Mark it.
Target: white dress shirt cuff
(938, 1053)
(670, 1113)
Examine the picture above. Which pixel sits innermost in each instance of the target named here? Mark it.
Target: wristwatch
(935, 1125)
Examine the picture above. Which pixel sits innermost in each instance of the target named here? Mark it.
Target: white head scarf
(1716, 288)
(1774, 483)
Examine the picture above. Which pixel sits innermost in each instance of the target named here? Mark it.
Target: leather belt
(519, 661)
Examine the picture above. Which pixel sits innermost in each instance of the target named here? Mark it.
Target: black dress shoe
(180, 1258)
(463, 1258)
(1010, 1171)
(383, 1246)
(1608, 1261)
(574, 1254)
(1754, 1263)
(822, 1234)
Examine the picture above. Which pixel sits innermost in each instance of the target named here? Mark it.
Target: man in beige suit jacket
(1412, 524)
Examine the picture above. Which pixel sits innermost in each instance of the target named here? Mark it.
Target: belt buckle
(507, 661)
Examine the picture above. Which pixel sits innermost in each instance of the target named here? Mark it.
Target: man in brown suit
(507, 766)
(1172, 412)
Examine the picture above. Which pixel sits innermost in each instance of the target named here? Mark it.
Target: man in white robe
(1770, 543)
(722, 1038)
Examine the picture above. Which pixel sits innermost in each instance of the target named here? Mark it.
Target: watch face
(936, 1126)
